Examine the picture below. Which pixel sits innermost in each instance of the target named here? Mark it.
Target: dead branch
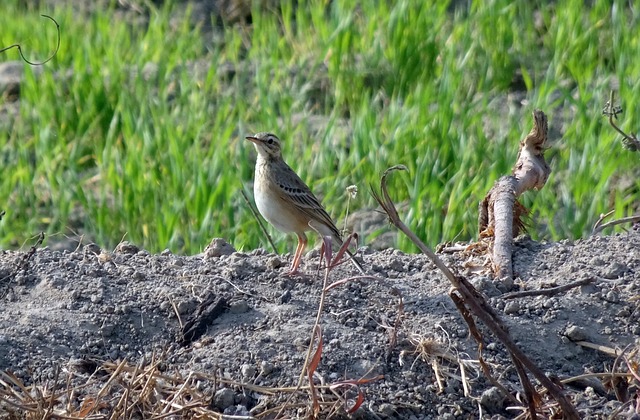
(470, 301)
(500, 213)
(598, 227)
(550, 291)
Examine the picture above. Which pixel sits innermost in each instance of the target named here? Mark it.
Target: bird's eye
(270, 141)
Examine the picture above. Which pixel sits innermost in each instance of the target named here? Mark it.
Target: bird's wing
(294, 191)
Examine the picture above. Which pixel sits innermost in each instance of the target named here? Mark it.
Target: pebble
(185, 306)
(224, 398)
(492, 399)
(614, 271)
(266, 368)
(388, 410)
(238, 410)
(612, 297)
(125, 247)
(285, 297)
(248, 371)
(217, 248)
(396, 265)
(486, 286)
(274, 263)
(575, 333)
(239, 307)
(511, 308)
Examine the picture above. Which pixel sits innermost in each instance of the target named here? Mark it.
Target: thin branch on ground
(550, 291)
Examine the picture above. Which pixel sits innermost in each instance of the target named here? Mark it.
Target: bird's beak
(253, 139)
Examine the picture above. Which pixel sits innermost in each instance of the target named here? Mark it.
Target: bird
(286, 202)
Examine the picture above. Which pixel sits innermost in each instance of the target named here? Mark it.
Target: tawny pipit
(286, 201)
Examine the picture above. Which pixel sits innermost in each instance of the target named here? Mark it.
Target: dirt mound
(67, 313)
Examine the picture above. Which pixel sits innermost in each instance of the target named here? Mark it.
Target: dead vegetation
(471, 305)
(500, 216)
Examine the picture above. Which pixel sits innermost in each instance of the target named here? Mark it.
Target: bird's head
(267, 145)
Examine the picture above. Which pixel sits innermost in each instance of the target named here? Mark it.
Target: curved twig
(34, 63)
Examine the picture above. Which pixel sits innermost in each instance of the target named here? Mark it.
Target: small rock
(492, 399)
(238, 410)
(274, 263)
(223, 398)
(107, 329)
(239, 307)
(247, 371)
(91, 249)
(397, 265)
(575, 333)
(285, 297)
(387, 410)
(96, 298)
(623, 313)
(486, 286)
(21, 279)
(549, 303)
(217, 248)
(266, 368)
(511, 308)
(125, 247)
(614, 271)
(612, 297)
(505, 284)
(186, 306)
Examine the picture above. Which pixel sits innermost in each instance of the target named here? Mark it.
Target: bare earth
(78, 310)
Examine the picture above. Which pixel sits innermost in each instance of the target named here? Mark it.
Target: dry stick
(630, 219)
(550, 291)
(600, 220)
(478, 306)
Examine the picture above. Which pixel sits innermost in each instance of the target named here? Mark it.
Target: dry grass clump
(122, 390)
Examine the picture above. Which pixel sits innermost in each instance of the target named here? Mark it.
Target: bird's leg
(302, 243)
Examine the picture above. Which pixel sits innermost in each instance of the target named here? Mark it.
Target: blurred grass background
(135, 129)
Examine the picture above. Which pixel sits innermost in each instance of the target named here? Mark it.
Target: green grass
(119, 136)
